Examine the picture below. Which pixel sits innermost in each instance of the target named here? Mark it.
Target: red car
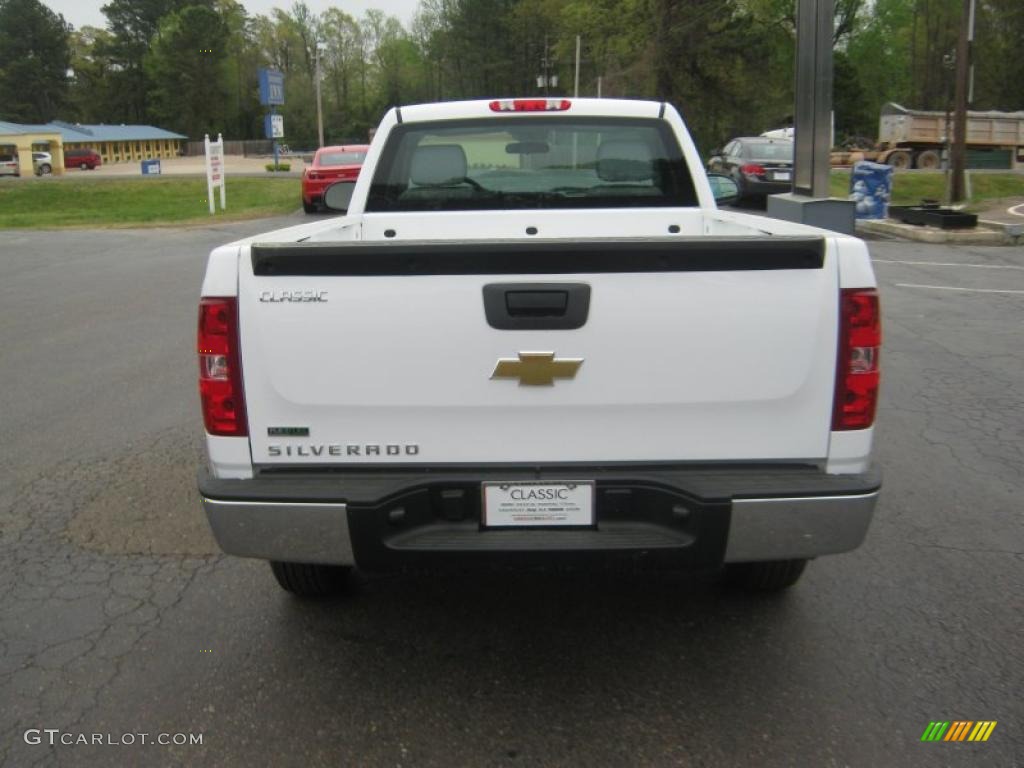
(330, 164)
(82, 158)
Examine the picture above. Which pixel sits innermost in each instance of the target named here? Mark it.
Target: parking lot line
(948, 264)
(955, 288)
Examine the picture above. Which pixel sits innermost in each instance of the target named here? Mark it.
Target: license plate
(782, 176)
(533, 504)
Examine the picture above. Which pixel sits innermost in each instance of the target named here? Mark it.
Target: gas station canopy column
(809, 202)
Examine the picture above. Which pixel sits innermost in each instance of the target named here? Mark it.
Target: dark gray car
(760, 166)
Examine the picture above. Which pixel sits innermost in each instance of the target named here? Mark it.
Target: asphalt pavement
(119, 618)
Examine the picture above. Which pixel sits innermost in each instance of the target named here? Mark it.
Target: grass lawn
(49, 203)
(911, 188)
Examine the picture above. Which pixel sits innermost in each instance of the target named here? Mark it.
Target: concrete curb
(987, 232)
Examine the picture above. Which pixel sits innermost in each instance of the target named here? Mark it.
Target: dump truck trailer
(914, 138)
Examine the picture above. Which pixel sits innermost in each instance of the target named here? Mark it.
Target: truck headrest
(625, 161)
(438, 164)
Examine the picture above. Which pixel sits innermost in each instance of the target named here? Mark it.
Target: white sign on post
(277, 126)
(215, 169)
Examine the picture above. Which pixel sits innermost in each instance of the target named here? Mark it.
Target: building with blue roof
(114, 143)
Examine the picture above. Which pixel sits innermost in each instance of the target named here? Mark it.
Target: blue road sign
(271, 87)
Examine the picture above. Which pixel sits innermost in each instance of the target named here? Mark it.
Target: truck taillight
(220, 372)
(530, 105)
(857, 373)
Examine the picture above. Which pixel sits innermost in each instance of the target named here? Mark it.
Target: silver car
(9, 165)
(42, 163)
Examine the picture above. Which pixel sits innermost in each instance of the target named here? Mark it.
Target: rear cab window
(340, 158)
(536, 162)
(778, 151)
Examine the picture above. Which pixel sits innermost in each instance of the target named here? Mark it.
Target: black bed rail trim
(539, 257)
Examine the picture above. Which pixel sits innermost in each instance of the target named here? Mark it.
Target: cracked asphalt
(117, 615)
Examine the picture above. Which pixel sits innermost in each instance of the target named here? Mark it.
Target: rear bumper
(755, 188)
(660, 516)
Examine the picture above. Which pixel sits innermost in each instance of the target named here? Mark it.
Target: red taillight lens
(530, 105)
(857, 373)
(312, 175)
(220, 373)
(752, 169)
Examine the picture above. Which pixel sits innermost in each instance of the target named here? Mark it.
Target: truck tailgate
(690, 349)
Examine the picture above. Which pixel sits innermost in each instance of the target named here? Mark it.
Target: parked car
(760, 166)
(42, 163)
(330, 164)
(9, 165)
(86, 159)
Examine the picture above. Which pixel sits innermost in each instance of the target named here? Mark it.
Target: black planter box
(926, 215)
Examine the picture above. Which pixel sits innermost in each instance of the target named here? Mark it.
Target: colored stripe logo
(959, 730)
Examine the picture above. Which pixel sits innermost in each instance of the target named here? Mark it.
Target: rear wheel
(45, 169)
(309, 207)
(769, 576)
(310, 579)
(928, 160)
(900, 160)
(84, 166)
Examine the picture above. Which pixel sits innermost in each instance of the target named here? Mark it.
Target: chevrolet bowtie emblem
(537, 369)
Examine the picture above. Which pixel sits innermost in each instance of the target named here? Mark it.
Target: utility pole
(964, 95)
(576, 86)
(319, 108)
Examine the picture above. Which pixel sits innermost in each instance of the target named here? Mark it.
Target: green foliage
(279, 167)
(34, 58)
(853, 113)
(728, 65)
(134, 24)
(187, 66)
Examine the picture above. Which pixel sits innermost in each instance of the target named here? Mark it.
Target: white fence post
(223, 173)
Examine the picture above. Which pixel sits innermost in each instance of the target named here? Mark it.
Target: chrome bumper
(760, 529)
(292, 532)
(788, 529)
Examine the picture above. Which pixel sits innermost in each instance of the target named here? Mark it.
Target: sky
(82, 12)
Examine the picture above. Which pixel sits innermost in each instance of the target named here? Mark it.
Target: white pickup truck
(534, 339)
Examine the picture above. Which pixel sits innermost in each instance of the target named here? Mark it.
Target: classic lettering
(539, 494)
(304, 296)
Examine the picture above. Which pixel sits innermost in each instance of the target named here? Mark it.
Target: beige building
(114, 143)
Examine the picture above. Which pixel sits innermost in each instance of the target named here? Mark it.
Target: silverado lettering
(335, 449)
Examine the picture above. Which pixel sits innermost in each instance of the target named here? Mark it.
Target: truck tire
(309, 207)
(900, 159)
(311, 580)
(929, 160)
(769, 576)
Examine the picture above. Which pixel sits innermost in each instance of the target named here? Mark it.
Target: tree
(91, 97)
(853, 113)
(187, 69)
(34, 61)
(134, 24)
